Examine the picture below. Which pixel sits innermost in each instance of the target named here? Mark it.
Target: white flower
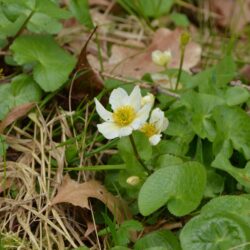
(157, 124)
(161, 58)
(128, 113)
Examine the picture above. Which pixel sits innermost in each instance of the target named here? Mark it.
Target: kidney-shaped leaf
(164, 239)
(233, 204)
(180, 186)
(215, 232)
(52, 65)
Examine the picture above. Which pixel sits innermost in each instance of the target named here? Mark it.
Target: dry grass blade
(15, 114)
(29, 182)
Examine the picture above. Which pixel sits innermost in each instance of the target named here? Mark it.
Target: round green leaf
(52, 65)
(162, 239)
(181, 186)
(167, 160)
(237, 205)
(219, 231)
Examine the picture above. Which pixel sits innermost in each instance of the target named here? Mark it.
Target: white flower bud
(161, 58)
(149, 98)
(133, 180)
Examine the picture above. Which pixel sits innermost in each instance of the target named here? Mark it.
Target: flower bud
(133, 180)
(184, 39)
(149, 98)
(161, 58)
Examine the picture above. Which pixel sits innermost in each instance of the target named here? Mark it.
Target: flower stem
(137, 154)
(180, 68)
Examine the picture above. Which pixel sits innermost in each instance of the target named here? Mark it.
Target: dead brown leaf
(233, 13)
(5, 184)
(15, 114)
(245, 72)
(78, 194)
(88, 82)
(129, 62)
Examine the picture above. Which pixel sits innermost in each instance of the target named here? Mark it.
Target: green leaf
(180, 124)
(155, 8)
(51, 9)
(120, 248)
(167, 160)
(218, 76)
(22, 90)
(180, 186)
(124, 231)
(43, 23)
(162, 239)
(215, 184)
(45, 14)
(147, 8)
(237, 205)
(242, 175)
(179, 19)
(169, 147)
(51, 64)
(80, 9)
(225, 71)
(236, 95)
(10, 27)
(215, 231)
(232, 124)
(142, 144)
(201, 106)
(81, 248)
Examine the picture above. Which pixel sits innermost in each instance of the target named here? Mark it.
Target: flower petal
(135, 98)
(102, 112)
(141, 116)
(155, 139)
(118, 97)
(125, 131)
(109, 130)
(159, 120)
(156, 115)
(165, 124)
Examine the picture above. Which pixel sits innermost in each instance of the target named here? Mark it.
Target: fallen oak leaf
(5, 184)
(88, 81)
(78, 194)
(129, 62)
(233, 13)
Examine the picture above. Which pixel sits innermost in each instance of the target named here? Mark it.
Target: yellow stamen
(124, 115)
(149, 129)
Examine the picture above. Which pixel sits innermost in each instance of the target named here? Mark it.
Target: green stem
(180, 68)
(97, 168)
(137, 154)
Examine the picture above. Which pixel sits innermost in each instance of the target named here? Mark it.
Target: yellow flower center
(124, 115)
(149, 129)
